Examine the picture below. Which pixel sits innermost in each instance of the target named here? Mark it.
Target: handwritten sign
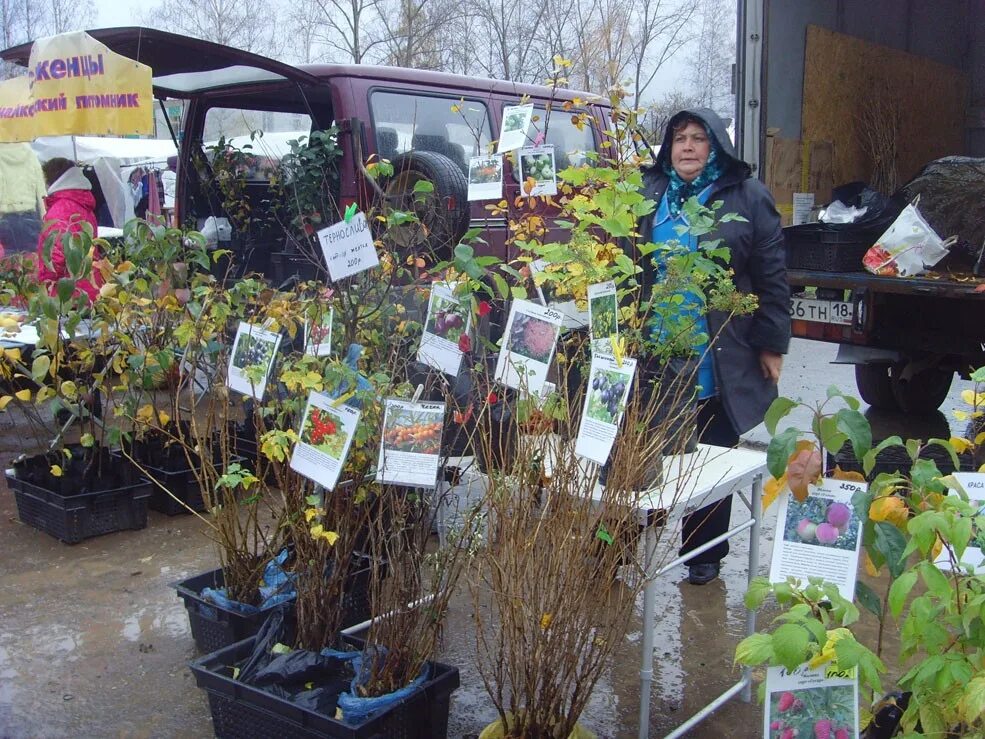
(348, 247)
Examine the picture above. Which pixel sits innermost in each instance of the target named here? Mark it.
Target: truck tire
(876, 386)
(924, 391)
(443, 214)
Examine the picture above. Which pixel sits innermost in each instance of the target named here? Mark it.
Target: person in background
(169, 183)
(22, 191)
(738, 373)
(70, 203)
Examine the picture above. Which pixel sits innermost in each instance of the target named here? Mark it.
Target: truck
(811, 69)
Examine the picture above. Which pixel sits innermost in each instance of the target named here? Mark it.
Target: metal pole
(649, 616)
(708, 710)
(756, 504)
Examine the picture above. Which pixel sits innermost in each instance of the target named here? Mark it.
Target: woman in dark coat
(738, 375)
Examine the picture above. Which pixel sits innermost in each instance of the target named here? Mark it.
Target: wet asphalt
(94, 642)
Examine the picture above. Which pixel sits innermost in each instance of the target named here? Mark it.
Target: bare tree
(246, 24)
(346, 30)
(27, 20)
(415, 32)
(713, 55)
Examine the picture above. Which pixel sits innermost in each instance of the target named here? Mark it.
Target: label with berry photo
(605, 401)
(251, 360)
(410, 450)
(810, 702)
(820, 536)
(323, 443)
(318, 334)
(446, 330)
(528, 346)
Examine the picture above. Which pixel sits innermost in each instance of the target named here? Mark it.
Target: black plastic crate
(72, 518)
(896, 460)
(242, 711)
(284, 265)
(811, 248)
(214, 627)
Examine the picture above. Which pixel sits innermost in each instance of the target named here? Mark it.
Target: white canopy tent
(87, 149)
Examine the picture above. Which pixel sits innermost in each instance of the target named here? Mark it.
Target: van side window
(570, 143)
(404, 122)
(262, 136)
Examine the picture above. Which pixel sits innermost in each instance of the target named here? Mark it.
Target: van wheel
(924, 391)
(875, 386)
(443, 214)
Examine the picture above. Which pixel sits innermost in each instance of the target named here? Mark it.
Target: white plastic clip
(417, 394)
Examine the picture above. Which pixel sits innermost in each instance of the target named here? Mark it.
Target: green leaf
(40, 367)
(937, 582)
(899, 590)
(464, 253)
(775, 413)
(890, 543)
(65, 289)
(869, 461)
(756, 594)
(946, 446)
(754, 650)
(603, 534)
(518, 292)
(868, 598)
(423, 186)
(501, 287)
(831, 438)
(790, 642)
(780, 448)
(856, 427)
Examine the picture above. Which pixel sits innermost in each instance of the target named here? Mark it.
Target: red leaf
(464, 343)
(802, 470)
(460, 417)
(484, 307)
(492, 398)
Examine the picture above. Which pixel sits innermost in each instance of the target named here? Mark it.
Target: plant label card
(448, 319)
(528, 346)
(820, 537)
(410, 450)
(603, 322)
(485, 178)
(513, 132)
(810, 703)
(605, 401)
(973, 559)
(348, 247)
(318, 335)
(537, 163)
(573, 317)
(253, 356)
(326, 435)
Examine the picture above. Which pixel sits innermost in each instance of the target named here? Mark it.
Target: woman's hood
(73, 179)
(716, 126)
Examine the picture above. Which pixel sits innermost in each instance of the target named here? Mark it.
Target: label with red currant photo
(324, 440)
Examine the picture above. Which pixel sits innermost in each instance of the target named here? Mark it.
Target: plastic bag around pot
(908, 248)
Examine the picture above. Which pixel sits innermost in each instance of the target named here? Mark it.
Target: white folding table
(691, 482)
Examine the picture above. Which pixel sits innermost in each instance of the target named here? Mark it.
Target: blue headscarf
(679, 191)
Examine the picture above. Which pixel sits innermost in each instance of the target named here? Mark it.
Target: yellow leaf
(5, 400)
(891, 509)
(828, 650)
(24, 395)
(44, 393)
(87, 440)
(936, 549)
(960, 444)
(56, 470)
(69, 389)
(14, 355)
(772, 489)
(870, 566)
(545, 621)
(331, 537)
(980, 439)
(163, 418)
(145, 414)
(840, 474)
(972, 398)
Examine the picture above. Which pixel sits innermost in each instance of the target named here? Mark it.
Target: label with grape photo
(323, 443)
(528, 346)
(252, 358)
(318, 334)
(536, 172)
(410, 449)
(446, 330)
(605, 401)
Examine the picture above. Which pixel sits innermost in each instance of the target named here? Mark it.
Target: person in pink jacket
(69, 203)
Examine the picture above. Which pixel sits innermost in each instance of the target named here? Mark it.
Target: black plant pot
(241, 710)
(93, 496)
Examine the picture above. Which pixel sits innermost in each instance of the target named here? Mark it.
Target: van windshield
(405, 122)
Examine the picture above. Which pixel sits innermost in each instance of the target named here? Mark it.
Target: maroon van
(402, 115)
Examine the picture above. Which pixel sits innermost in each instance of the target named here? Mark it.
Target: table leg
(756, 512)
(649, 625)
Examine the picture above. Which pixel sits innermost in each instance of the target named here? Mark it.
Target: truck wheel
(876, 386)
(443, 213)
(924, 391)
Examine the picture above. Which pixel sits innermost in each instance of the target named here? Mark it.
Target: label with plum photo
(820, 536)
(448, 320)
(810, 702)
(410, 449)
(605, 402)
(323, 443)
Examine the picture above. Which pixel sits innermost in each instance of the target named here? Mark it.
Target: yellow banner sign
(76, 85)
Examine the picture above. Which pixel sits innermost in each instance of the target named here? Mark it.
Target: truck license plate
(822, 311)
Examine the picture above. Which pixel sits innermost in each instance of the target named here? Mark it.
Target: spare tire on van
(443, 213)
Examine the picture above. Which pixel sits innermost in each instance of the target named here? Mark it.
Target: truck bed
(945, 285)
